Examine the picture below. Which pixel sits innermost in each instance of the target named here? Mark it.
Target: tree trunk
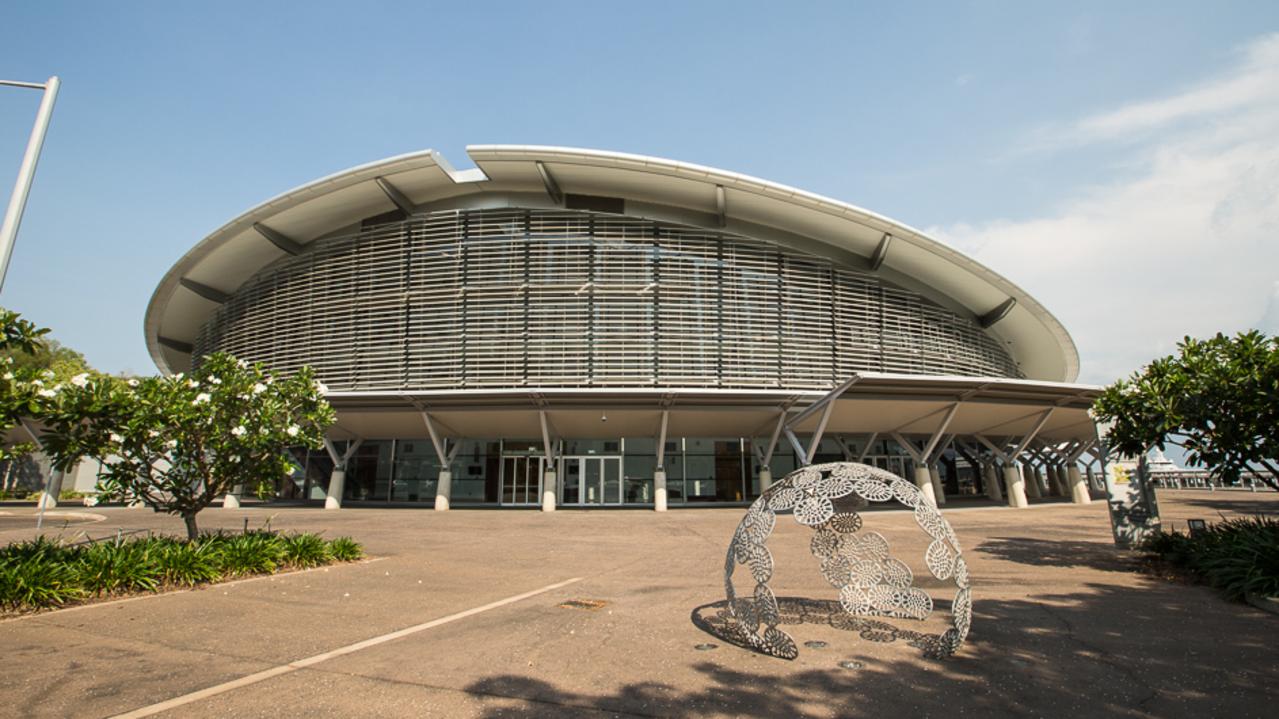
(192, 532)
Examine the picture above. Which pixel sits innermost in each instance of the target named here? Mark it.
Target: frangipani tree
(1216, 398)
(178, 443)
(23, 390)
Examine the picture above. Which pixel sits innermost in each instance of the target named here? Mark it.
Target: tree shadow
(1103, 650)
(1104, 556)
(1235, 505)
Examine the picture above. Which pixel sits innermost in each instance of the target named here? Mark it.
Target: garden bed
(1238, 556)
(44, 574)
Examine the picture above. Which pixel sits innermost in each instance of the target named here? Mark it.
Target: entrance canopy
(908, 405)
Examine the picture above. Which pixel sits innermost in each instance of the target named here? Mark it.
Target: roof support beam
(799, 448)
(277, 239)
(870, 442)
(204, 290)
(396, 197)
(552, 187)
(1079, 451)
(990, 318)
(177, 345)
(997, 451)
(546, 436)
(828, 398)
(772, 441)
(339, 461)
(881, 252)
(821, 429)
(937, 434)
(910, 448)
(721, 207)
(940, 449)
(661, 440)
(435, 439)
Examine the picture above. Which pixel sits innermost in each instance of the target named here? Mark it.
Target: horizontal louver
(532, 298)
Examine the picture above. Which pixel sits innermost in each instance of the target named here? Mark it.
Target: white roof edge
(738, 181)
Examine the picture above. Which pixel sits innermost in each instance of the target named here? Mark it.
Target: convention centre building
(565, 327)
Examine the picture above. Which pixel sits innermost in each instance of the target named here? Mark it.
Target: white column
(924, 480)
(1016, 487)
(659, 490)
(230, 501)
(1030, 481)
(765, 479)
(991, 479)
(939, 491)
(548, 491)
(337, 483)
(443, 490)
(1078, 490)
(1059, 481)
(49, 497)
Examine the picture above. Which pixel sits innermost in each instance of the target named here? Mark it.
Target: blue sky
(1120, 161)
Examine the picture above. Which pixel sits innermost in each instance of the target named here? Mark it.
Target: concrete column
(49, 497)
(939, 491)
(659, 490)
(1030, 479)
(1092, 480)
(924, 480)
(1078, 490)
(1016, 487)
(1050, 485)
(337, 483)
(230, 501)
(1063, 480)
(549, 491)
(990, 478)
(443, 490)
(765, 479)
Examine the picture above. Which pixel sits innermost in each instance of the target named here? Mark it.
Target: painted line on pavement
(340, 651)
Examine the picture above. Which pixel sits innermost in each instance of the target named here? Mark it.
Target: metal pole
(22, 188)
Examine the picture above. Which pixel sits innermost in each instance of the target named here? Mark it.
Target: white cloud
(1189, 244)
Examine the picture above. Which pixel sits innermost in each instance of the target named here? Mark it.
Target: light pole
(22, 188)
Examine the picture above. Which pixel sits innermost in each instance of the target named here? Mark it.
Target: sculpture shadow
(1065, 553)
(716, 620)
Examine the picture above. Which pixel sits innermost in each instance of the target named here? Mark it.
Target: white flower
(47, 393)
(259, 388)
(153, 433)
(239, 431)
(215, 380)
(8, 375)
(192, 383)
(179, 375)
(116, 438)
(37, 383)
(202, 398)
(47, 374)
(292, 431)
(133, 383)
(242, 364)
(81, 379)
(321, 388)
(91, 500)
(171, 443)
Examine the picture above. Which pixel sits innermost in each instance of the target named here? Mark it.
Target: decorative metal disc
(855, 562)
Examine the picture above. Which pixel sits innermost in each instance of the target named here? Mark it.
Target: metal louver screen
(536, 298)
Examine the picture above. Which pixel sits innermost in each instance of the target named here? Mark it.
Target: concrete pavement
(1063, 625)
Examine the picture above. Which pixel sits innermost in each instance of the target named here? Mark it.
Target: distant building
(573, 327)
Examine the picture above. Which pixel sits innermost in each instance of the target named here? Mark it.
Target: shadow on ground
(1104, 556)
(1101, 651)
(1232, 505)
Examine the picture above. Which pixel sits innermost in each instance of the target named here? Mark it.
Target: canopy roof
(535, 176)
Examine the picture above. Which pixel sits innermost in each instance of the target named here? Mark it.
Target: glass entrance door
(521, 480)
(591, 480)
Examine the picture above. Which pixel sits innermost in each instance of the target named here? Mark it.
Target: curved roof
(192, 289)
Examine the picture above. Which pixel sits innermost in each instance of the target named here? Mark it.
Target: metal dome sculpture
(857, 563)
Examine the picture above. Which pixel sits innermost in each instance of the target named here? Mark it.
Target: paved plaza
(1063, 624)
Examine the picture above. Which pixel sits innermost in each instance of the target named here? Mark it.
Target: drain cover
(588, 604)
(850, 664)
(705, 647)
(816, 644)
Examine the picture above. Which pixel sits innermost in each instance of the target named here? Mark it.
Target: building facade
(572, 327)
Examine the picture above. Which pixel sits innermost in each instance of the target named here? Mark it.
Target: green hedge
(1238, 556)
(40, 574)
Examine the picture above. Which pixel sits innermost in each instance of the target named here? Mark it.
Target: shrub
(186, 564)
(306, 550)
(110, 568)
(249, 553)
(345, 549)
(1239, 556)
(35, 575)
